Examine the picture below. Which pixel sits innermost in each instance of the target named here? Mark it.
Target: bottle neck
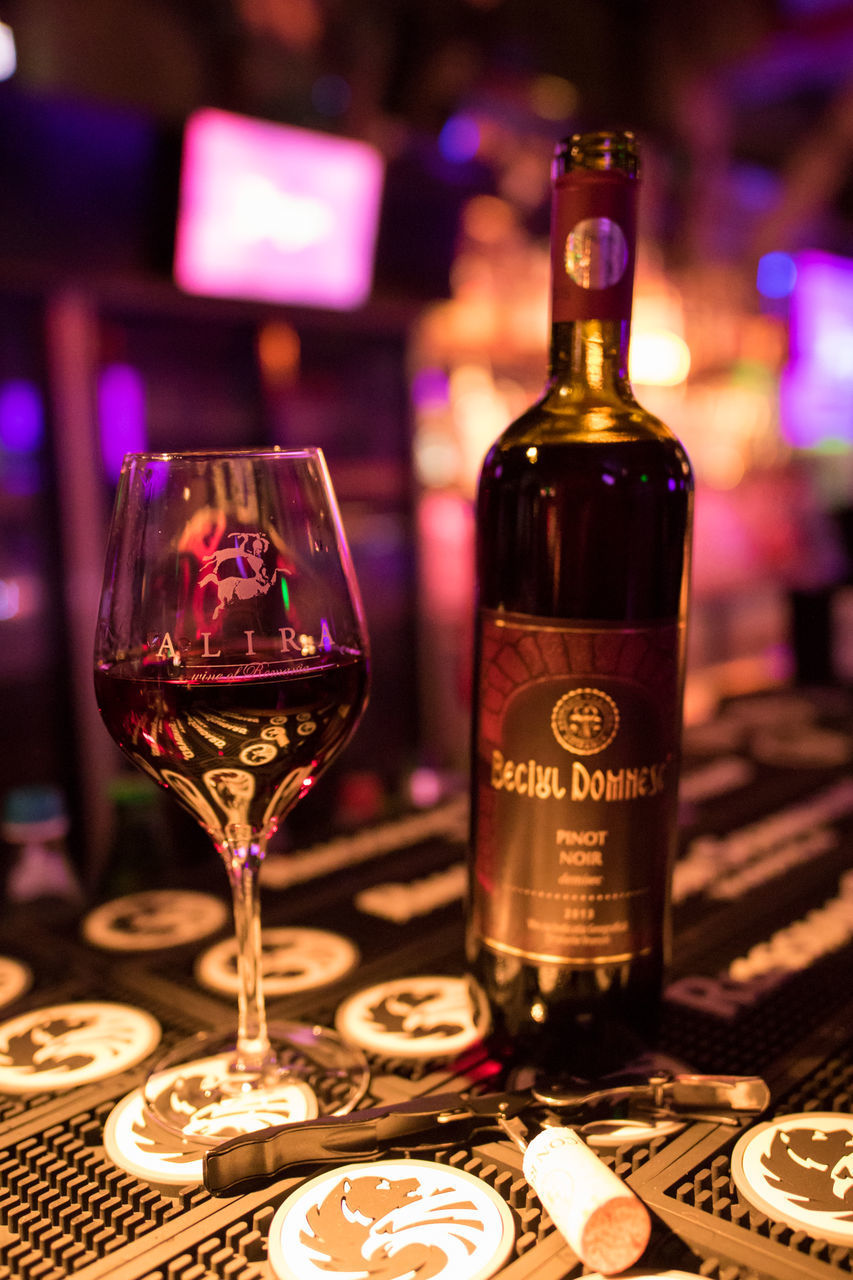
(590, 355)
(593, 252)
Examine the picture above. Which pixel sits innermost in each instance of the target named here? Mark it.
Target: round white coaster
(292, 959)
(15, 979)
(181, 1100)
(138, 1143)
(66, 1045)
(420, 1017)
(155, 919)
(400, 1217)
(798, 1169)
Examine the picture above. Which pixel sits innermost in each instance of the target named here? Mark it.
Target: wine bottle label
(593, 235)
(576, 787)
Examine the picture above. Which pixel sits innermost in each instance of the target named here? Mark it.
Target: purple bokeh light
(121, 415)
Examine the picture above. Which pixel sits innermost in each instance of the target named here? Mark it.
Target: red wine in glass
(195, 737)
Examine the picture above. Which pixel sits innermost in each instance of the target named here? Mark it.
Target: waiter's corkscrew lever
(439, 1120)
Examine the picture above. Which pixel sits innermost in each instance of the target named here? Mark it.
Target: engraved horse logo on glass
(238, 572)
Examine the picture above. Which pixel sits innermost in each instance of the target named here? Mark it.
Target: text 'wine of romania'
(584, 514)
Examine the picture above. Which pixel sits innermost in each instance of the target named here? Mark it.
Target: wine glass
(231, 664)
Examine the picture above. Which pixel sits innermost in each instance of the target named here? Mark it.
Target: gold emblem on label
(585, 721)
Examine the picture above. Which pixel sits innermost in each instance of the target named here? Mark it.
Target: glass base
(201, 1092)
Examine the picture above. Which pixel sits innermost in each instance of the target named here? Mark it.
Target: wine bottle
(583, 517)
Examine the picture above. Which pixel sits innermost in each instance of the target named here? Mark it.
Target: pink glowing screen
(274, 213)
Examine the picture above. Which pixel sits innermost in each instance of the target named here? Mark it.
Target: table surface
(760, 985)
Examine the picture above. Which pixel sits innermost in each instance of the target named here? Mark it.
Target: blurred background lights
(436, 458)
(331, 95)
(10, 597)
(21, 416)
(459, 139)
(121, 415)
(658, 358)
(271, 212)
(425, 787)
(776, 275)
(553, 98)
(833, 350)
(430, 388)
(279, 353)
(8, 54)
(816, 386)
(21, 597)
(288, 221)
(488, 219)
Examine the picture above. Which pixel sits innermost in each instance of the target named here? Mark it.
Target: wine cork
(604, 1222)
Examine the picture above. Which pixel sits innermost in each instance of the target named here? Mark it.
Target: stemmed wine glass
(231, 664)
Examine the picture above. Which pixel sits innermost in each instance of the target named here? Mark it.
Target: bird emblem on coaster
(154, 919)
(66, 1045)
(394, 1218)
(139, 1143)
(419, 1017)
(180, 1097)
(292, 959)
(798, 1169)
(15, 978)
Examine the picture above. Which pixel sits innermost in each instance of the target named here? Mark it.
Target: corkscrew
(663, 1095)
(434, 1121)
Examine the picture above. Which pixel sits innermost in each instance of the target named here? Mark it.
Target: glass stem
(243, 851)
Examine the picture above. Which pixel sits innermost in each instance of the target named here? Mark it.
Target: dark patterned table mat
(66, 1208)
